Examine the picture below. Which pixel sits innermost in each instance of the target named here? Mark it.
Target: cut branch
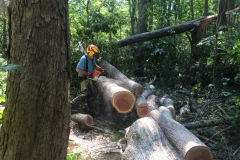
(207, 123)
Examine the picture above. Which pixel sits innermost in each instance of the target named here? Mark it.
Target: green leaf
(12, 67)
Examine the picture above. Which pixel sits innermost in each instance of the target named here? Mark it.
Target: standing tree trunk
(37, 114)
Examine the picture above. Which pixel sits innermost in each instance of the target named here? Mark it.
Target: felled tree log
(129, 84)
(168, 103)
(148, 90)
(152, 102)
(185, 143)
(145, 140)
(120, 98)
(207, 123)
(82, 119)
(141, 106)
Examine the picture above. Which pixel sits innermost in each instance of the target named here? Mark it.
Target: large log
(82, 119)
(129, 84)
(185, 143)
(121, 98)
(145, 140)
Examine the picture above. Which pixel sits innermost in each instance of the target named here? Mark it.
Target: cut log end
(123, 101)
(199, 153)
(82, 119)
(89, 120)
(143, 110)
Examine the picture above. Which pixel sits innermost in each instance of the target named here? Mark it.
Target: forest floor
(105, 142)
(99, 143)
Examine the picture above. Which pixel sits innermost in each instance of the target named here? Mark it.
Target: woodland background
(206, 69)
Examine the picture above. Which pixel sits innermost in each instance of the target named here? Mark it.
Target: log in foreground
(121, 99)
(145, 140)
(82, 119)
(185, 142)
(129, 84)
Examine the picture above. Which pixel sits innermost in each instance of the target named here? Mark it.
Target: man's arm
(81, 71)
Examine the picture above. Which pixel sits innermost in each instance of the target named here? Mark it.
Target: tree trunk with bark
(185, 143)
(37, 113)
(129, 84)
(145, 140)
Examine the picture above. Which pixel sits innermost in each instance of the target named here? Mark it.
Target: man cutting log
(87, 69)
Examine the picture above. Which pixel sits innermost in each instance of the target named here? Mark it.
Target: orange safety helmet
(92, 49)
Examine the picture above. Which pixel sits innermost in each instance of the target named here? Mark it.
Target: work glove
(89, 74)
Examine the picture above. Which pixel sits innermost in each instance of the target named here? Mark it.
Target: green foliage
(1, 114)
(74, 155)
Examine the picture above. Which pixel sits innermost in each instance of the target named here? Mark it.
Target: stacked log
(185, 143)
(142, 107)
(145, 140)
(134, 87)
(168, 103)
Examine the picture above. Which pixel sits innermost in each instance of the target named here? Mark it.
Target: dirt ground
(93, 144)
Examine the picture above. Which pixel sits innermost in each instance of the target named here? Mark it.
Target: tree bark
(185, 143)
(129, 84)
(121, 99)
(82, 119)
(145, 140)
(37, 113)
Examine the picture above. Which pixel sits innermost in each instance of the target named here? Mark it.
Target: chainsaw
(101, 77)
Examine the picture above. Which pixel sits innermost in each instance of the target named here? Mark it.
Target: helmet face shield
(92, 50)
